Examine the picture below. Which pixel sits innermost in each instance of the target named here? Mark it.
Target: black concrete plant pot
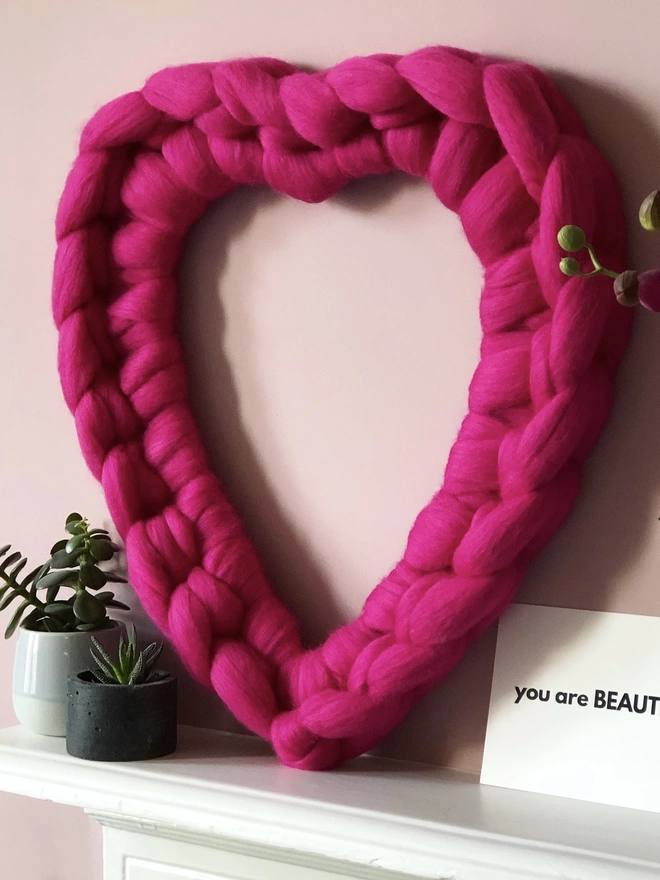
(120, 722)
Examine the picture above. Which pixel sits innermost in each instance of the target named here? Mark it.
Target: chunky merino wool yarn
(501, 147)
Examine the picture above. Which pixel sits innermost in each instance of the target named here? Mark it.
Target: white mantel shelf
(363, 820)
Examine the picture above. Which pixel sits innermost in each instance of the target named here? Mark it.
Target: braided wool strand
(503, 149)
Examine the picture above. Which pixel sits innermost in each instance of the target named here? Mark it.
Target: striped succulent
(130, 667)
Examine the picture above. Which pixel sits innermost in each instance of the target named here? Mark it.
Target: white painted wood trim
(228, 792)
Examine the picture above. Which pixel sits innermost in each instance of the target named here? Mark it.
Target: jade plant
(630, 287)
(130, 667)
(75, 566)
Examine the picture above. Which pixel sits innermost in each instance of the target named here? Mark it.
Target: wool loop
(503, 149)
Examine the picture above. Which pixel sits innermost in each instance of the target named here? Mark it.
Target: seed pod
(649, 211)
(626, 288)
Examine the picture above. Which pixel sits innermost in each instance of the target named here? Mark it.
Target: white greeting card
(575, 706)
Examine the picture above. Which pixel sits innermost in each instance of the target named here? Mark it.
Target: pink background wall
(330, 346)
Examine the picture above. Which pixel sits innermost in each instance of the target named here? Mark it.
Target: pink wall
(330, 346)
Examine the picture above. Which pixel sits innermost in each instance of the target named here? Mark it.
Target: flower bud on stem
(573, 239)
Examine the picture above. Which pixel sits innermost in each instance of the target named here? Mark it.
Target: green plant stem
(21, 591)
(599, 269)
(33, 600)
(597, 272)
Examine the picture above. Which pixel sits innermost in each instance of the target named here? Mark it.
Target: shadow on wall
(585, 565)
(287, 558)
(217, 408)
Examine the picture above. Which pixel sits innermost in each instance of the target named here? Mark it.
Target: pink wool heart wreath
(501, 147)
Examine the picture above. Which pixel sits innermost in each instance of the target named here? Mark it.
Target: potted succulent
(122, 709)
(56, 608)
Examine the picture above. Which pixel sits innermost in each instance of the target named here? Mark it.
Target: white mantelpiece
(223, 808)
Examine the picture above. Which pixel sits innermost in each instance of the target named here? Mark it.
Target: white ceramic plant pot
(41, 665)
